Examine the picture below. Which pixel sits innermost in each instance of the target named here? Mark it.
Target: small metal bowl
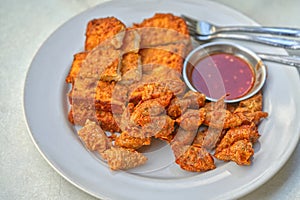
(253, 60)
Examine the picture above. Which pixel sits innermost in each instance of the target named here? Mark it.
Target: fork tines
(189, 20)
(191, 24)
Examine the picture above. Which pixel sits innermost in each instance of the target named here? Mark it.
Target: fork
(194, 30)
(273, 41)
(206, 28)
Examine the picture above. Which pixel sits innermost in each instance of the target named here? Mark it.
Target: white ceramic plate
(46, 108)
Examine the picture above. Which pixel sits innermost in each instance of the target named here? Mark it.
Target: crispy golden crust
(184, 137)
(148, 91)
(108, 121)
(240, 152)
(159, 126)
(208, 138)
(119, 158)
(111, 97)
(76, 65)
(244, 132)
(127, 140)
(192, 119)
(144, 110)
(109, 30)
(250, 110)
(94, 137)
(101, 63)
(131, 41)
(131, 68)
(191, 99)
(195, 159)
(162, 28)
(171, 56)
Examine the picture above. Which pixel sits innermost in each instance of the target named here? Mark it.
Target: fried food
(103, 62)
(148, 91)
(94, 137)
(128, 82)
(160, 127)
(108, 121)
(76, 66)
(192, 119)
(208, 138)
(110, 97)
(145, 110)
(217, 116)
(184, 137)
(161, 29)
(237, 143)
(131, 68)
(240, 152)
(250, 110)
(171, 56)
(128, 140)
(131, 41)
(195, 159)
(109, 30)
(119, 158)
(178, 106)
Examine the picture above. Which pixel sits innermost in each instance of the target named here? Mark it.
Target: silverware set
(203, 31)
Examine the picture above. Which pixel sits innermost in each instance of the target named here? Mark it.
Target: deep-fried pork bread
(171, 56)
(76, 66)
(131, 68)
(109, 30)
(161, 29)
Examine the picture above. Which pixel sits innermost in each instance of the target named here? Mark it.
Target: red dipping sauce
(222, 74)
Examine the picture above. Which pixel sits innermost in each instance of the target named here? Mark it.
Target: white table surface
(24, 26)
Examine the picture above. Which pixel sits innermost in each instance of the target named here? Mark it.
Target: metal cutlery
(197, 31)
(206, 28)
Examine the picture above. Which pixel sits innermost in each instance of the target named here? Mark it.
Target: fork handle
(293, 32)
(273, 41)
(288, 60)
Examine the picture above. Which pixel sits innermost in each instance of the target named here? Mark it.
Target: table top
(23, 171)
